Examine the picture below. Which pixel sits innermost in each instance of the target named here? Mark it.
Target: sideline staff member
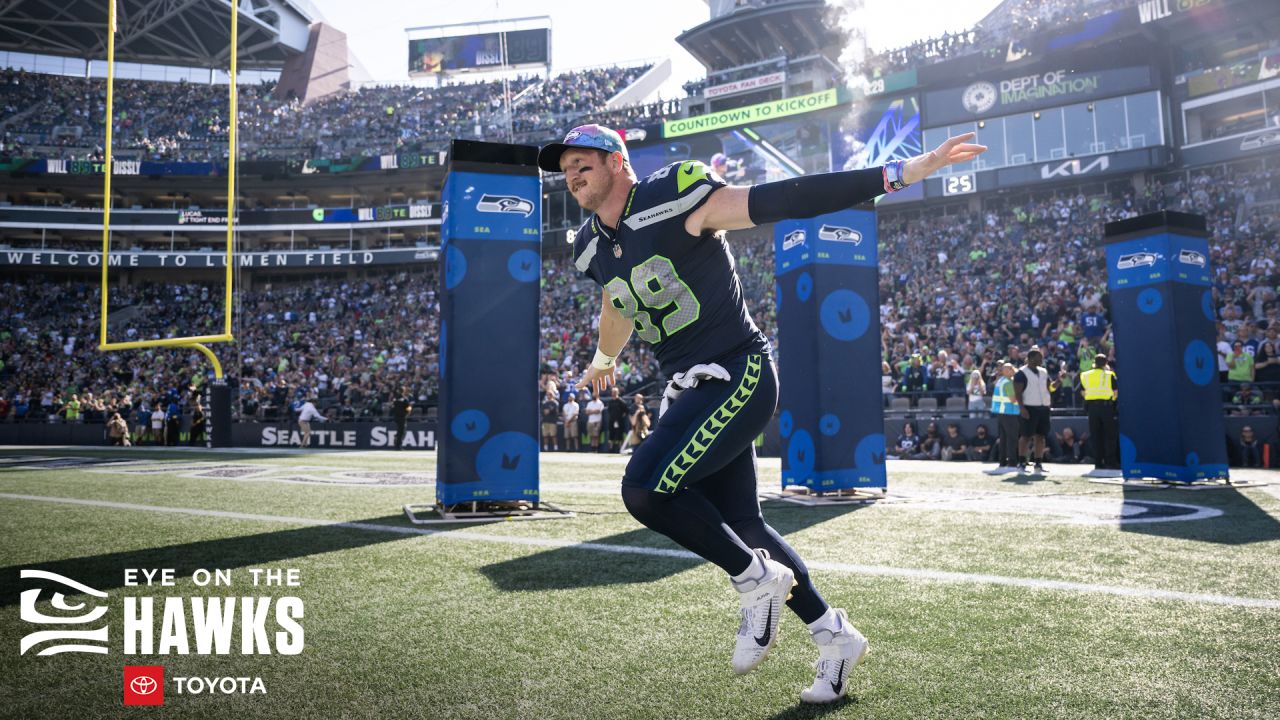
(1099, 387)
(1031, 390)
(1005, 408)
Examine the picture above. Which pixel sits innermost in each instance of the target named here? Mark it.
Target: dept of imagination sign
(1004, 96)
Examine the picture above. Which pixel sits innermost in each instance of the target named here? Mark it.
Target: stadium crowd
(996, 35)
(964, 290)
(567, 100)
(959, 290)
(349, 346)
(61, 116)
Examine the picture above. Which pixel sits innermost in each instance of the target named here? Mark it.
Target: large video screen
(874, 133)
(747, 154)
(478, 52)
(845, 138)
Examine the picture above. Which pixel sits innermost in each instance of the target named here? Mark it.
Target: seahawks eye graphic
(792, 239)
(839, 234)
(31, 614)
(505, 204)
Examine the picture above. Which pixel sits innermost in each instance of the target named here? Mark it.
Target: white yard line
(1272, 490)
(846, 568)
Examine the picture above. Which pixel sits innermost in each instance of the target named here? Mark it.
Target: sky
(587, 34)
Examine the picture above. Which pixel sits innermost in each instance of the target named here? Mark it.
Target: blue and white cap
(597, 137)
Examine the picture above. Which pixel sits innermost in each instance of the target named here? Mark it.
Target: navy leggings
(694, 478)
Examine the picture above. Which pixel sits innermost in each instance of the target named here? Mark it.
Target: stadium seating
(970, 284)
(60, 116)
(994, 36)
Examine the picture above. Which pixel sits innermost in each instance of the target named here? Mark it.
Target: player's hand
(598, 380)
(1022, 412)
(953, 150)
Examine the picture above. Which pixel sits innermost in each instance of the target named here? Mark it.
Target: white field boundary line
(845, 568)
(1272, 490)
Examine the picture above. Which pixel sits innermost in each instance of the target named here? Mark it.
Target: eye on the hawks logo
(74, 640)
(143, 684)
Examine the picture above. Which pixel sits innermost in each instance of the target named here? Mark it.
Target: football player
(657, 248)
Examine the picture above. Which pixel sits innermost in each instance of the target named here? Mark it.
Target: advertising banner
(214, 259)
(750, 114)
(1004, 95)
(193, 220)
(1150, 11)
(745, 85)
(771, 150)
(149, 168)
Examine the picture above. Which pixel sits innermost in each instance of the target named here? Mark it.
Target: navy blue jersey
(680, 292)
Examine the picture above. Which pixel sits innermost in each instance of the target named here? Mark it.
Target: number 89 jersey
(680, 292)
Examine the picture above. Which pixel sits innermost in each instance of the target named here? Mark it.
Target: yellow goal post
(195, 341)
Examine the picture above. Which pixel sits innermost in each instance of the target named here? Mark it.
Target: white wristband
(602, 361)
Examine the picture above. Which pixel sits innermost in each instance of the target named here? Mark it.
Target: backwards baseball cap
(596, 137)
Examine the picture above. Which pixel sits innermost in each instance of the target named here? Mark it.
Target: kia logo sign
(1074, 167)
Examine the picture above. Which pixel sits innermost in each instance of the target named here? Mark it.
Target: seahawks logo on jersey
(687, 173)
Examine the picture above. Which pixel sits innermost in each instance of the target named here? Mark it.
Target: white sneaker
(762, 601)
(839, 652)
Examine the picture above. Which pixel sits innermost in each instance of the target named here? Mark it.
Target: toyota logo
(143, 685)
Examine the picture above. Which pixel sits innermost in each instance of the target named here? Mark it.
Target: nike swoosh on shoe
(835, 687)
(763, 641)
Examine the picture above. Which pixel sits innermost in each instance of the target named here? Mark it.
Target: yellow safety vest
(1002, 400)
(1097, 384)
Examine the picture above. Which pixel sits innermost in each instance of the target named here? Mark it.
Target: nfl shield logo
(617, 250)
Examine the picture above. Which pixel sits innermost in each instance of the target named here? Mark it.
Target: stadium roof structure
(761, 30)
(172, 32)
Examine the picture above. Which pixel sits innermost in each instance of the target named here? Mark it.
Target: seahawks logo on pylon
(839, 233)
(505, 204)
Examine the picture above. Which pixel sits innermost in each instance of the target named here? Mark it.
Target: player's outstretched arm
(736, 207)
(615, 331)
(953, 150)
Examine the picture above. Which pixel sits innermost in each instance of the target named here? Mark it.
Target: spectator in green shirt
(1239, 364)
(72, 409)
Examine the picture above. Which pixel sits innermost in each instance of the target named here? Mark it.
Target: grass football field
(982, 597)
